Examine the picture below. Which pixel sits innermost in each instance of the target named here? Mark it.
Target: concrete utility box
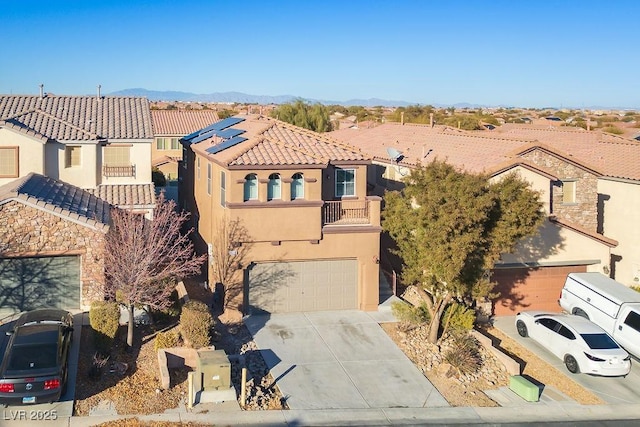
(215, 368)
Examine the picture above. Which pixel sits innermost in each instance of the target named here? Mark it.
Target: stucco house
(99, 143)
(589, 183)
(312, 232)
(168, 127)
(51, 242)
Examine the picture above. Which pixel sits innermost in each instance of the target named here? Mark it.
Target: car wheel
(572, 364)
(522, 329)
(581, 313)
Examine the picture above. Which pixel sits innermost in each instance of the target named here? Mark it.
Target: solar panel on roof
(226, 144)
(228, 133)
(217, 126)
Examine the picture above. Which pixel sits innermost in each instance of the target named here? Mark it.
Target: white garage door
(285, 287)
(39, 282)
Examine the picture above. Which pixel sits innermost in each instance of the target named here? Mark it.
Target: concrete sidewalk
(601, 415)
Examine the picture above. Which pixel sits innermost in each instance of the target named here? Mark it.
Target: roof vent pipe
(588, 124)
(99, 87)
(431, 119)
(402, 118)
(41, 90)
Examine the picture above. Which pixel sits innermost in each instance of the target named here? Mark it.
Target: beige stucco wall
(83, 176)
(622, 222)
(139, 155)
(556, 245)
(27, 231)
(536, 181)
(30, 153)
(285, 230)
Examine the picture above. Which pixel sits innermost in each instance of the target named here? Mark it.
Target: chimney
(402, 118)
(431, 119)
(41, 90)
(588, 124)
(99, 87)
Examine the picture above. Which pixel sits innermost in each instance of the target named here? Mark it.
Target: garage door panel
(303, 286)
(530, 288)
(44, 282)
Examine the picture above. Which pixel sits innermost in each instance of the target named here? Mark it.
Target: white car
(581, 344)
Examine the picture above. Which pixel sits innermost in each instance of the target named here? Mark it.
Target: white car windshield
(599, 341)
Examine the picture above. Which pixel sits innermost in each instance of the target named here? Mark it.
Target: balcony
(119, 171)
(347, 212)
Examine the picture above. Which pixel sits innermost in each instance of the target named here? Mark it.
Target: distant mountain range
(244, 98)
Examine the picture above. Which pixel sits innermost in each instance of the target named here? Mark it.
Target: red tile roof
(612, 155)
(485, 151)
(270, 142)
(423, 144)
(181, 122)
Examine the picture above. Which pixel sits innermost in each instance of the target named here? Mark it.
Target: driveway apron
(339, 360)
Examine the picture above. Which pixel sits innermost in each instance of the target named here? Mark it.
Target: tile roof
(423, 144)
(181, 122)
(271, 142)
(77, 118)
(127, 195)
(612, 155)
(482, 151)
(59, 198)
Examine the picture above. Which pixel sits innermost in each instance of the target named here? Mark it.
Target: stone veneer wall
(27, 231)
(585, 211)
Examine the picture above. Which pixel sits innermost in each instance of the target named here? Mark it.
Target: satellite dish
(395, 155)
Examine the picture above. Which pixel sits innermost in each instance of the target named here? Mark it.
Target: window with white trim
(274, 188)
(345, 182)
(297, 186)
(250, 187)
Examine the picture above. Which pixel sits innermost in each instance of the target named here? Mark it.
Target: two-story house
(98, 143)
(312, 233)
(168, 127)
(589, 183)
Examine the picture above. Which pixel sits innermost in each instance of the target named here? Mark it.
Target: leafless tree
(145, 259)
(229, 249)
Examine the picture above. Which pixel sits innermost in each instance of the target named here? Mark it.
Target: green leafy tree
(451, 227)
(313, 117)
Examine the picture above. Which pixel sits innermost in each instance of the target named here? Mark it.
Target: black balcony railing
(346, 212)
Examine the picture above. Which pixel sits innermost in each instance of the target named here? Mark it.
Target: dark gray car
(34, 364)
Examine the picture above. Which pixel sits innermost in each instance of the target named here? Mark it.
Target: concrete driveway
(339, 360)
(610, 389)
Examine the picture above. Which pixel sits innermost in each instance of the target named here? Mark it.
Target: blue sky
(514, 53)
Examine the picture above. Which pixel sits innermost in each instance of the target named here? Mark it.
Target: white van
(607, 303)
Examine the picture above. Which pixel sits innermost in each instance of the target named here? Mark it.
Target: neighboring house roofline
(58, 198)
(556, 153)
(595, 236)
(510, 164)
(22, 130)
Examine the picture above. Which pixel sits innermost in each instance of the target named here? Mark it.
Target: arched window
(250, 187)
(297, 186)
(274, 189)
